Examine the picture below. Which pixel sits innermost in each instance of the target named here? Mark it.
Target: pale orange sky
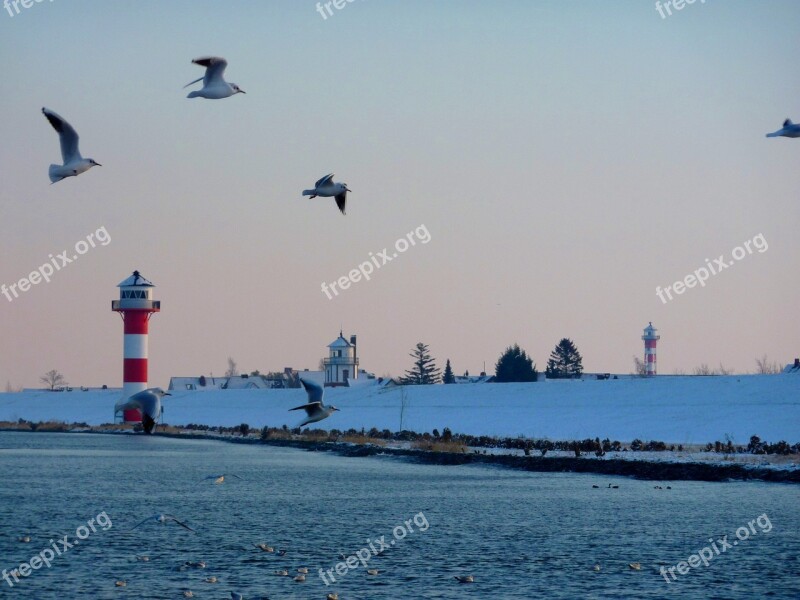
(566, 158)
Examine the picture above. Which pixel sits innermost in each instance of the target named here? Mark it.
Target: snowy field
(679, 410)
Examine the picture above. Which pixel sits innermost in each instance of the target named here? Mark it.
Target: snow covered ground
(679, 410)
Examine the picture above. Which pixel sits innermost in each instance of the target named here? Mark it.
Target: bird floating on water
(789, 129)
(326, 188)
(465, 578)
(635, 566)
(315, 409)
(74, 163)
(214, 85)
(218, 479)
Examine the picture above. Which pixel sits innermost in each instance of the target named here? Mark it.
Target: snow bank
(672, 409)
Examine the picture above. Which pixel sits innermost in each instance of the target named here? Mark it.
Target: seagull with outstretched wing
(315, 409)
(326, 188)
(163, 519)
(214, 85)
(74, 163)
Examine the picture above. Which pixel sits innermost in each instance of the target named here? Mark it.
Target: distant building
(650, 340)
(239, 382)
(482, 378)
(793, 367)
(342, 363)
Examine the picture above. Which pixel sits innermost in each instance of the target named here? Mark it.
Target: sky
(562, 158)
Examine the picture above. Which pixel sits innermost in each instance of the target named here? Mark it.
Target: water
(522, 535)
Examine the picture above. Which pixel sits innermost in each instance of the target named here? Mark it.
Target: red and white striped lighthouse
(650, 339)
(135, 306)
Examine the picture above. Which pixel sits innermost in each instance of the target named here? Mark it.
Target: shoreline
(638, 469)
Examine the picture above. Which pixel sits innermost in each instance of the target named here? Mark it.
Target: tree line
(513, 365)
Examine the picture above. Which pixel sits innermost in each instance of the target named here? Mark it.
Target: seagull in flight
(326, 188)
(214, 85)
(315, 409)
(74, 163)
(162, 519)
(220, 478)
(149, 402)
(789, 129)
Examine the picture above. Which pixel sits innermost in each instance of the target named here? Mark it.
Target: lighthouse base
(133, 415)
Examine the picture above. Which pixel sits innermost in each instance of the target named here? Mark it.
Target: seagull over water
(326, 188)
(214, 85)
(315, 409)
(74, 163)
(789, 129)
(147, 401)
(162, 519)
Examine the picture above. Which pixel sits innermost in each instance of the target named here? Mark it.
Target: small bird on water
(465, 578)
(218, 479)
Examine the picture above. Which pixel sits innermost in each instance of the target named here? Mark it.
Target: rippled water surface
(521, 535)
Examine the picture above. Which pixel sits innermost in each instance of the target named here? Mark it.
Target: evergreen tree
(514, 365)
(565, 361)
(424, 370)
(448, 376)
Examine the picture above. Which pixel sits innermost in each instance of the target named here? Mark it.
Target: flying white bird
(214, 85)
(326, 188)
(789, 129)
(149, 402)
(162, 519)
(74, 163)
(315, 409)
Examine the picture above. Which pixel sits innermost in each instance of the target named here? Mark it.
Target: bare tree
(703, 370)
(723, 370)
(54, 379)
(639, 368)
(232, 370)
(765, 367)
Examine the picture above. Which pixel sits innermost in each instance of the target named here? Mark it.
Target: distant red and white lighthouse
(650, 339)
(135, 306)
